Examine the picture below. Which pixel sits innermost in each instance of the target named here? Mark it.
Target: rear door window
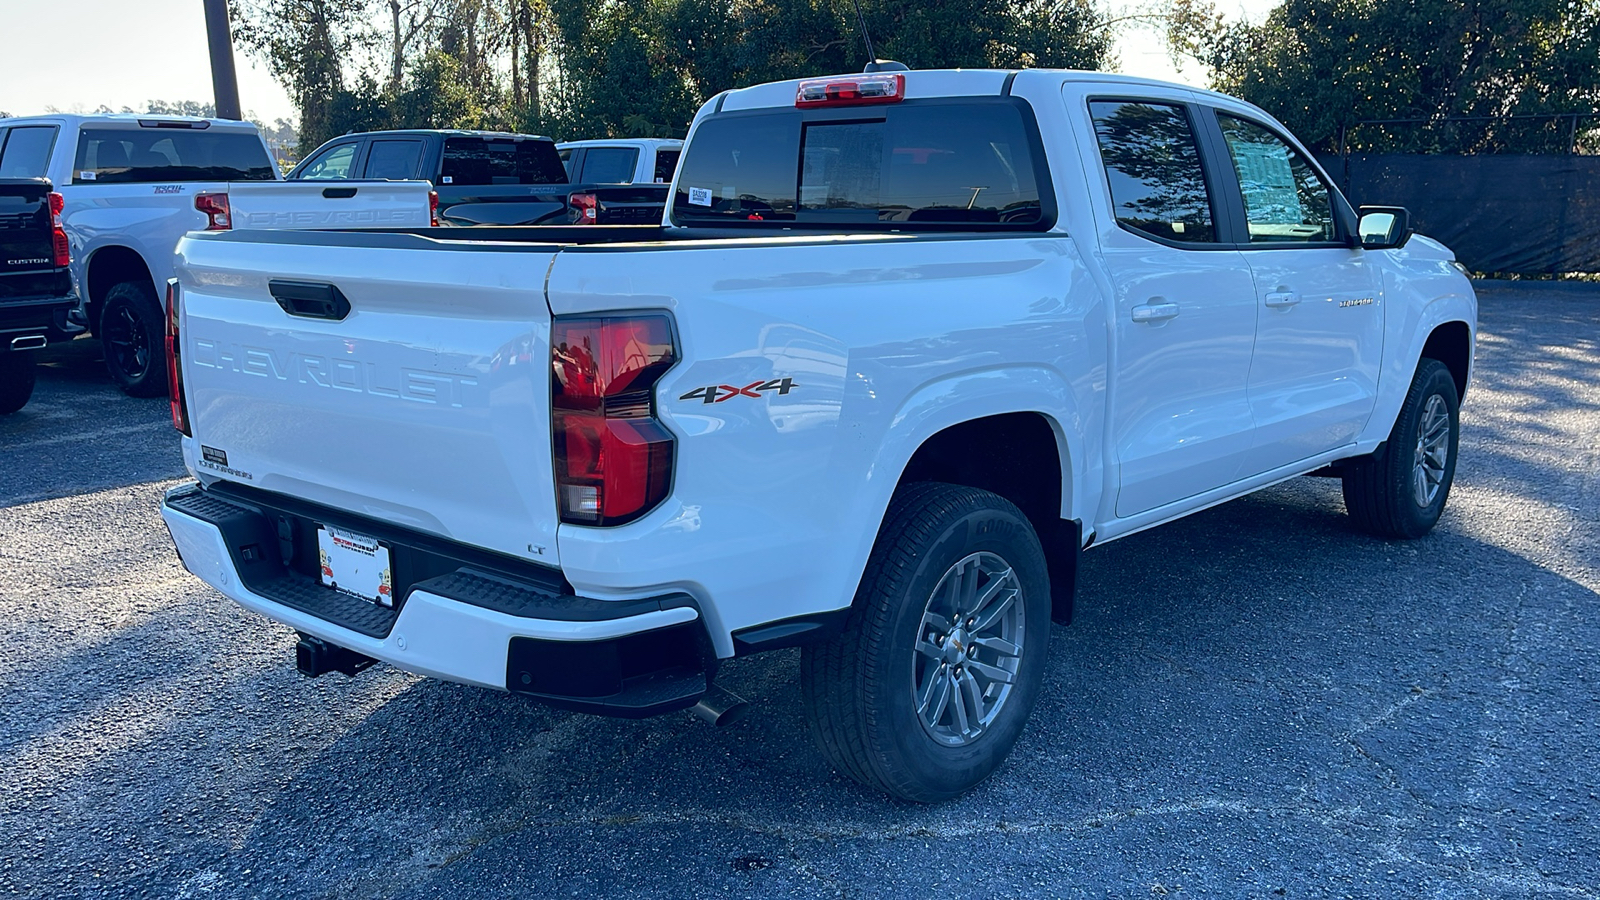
(335, 163)
(143, 155)
(478, 161)
(666, 164)
(395, 160)
(25, 151)
(1152, 162)
(609, 165)
(973, 164)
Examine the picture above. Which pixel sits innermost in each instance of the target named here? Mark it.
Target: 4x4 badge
(717, 393)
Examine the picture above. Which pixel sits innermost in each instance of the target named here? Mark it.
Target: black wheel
(133, 333)
(16, 381)
(1402, 493)
(924, 692)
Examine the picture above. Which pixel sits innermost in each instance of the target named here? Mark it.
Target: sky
(128, 52)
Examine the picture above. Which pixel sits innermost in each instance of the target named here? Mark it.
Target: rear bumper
(471, 624)
(35, 316)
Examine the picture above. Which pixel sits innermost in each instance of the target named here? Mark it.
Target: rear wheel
(1402, 494)
(133, 334)
(16, 380)
(928, 687)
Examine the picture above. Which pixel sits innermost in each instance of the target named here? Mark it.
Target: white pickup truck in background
(621, 160)
(906, 344)
(133, 185)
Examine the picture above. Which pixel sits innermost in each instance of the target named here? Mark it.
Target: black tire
(16, 380)
(132, 332)
(1381, 493)
(859, 687)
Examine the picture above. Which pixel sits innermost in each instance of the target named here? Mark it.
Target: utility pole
(224, 81)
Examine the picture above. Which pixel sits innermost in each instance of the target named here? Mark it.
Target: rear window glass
(666, 164)
(142, 155)
(488, 161)
(609, 165)
(25, 151)
(964, 163)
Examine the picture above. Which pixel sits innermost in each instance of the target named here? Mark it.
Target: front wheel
(928, 686)
(16, 380)
(133, 333)
(1402, 494)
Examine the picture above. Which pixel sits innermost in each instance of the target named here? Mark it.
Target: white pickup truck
(133, 185)
(621, 160)
(905, 344)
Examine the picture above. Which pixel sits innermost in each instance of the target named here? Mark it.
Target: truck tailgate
(343, 204)
(426, 406)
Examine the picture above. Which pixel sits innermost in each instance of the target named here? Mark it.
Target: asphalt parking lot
(1254, 702)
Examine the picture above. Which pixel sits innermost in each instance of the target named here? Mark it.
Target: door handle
(309, 299)
(338, 193)
(1155, 311)
(1282, 299)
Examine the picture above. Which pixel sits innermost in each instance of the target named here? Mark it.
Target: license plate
(355, 564)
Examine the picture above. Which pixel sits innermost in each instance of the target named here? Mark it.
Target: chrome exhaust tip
(719, 707)
(29, 342)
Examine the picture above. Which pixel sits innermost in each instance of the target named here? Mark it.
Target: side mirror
(1384, 227)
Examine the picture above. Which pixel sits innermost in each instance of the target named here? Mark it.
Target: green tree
(309, 44)
(1323, 65)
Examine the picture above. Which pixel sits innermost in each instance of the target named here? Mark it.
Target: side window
(332, 164)
(566, 161)
(609, 165)
(1152, 162)
(26, 151)
(666, 164)
(1284, 199)
(394, 160)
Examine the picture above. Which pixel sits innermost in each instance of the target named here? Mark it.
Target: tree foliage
(595, 68)
(1322, 66)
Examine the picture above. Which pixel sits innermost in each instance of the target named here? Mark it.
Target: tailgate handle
(339, 193)
(310, 299)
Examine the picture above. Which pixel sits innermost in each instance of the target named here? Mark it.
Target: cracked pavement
(1256, 701)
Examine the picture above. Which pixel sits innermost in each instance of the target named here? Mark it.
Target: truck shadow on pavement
(1256, 700)
(1252, 698)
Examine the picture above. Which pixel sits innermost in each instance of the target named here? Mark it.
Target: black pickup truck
(485, 178)
(35, 287)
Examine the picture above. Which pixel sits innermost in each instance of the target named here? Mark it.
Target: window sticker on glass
(699, 196)
(87, 175)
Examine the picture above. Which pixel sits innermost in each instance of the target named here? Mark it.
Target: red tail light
(180, 411)
(856, 90)
(433, 208)
(613, 458)
(215, 206)
(585, 208)
(62, 249)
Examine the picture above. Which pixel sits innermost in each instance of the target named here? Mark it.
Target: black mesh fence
(1508, 196)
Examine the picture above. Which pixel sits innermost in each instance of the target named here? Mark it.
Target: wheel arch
(1008, 431)
(1451, 343)
(108, 266)
(1444, 325)
(1022, 457)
